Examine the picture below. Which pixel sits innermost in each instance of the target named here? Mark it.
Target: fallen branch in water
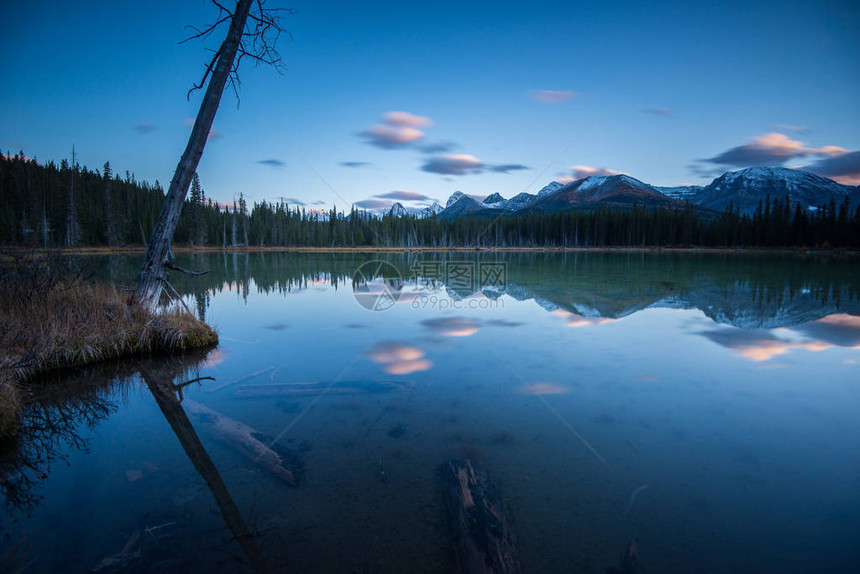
(319, 387)
(240, 380)
(254, 445)
(482, 532)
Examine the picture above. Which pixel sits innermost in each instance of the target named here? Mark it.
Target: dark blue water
(726, 384)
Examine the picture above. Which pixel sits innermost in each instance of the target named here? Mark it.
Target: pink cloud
(582, 171)
(406, 120)
(774, 149)
(453, 164)
(373, 203)
(398, 129)
(844, 167)
(389, 137)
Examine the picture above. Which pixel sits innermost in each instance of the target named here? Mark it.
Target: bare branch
(209, 68)
(175, 267)
(204, 33)
(259, 41)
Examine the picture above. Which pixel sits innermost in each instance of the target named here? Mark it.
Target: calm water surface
(728, 384)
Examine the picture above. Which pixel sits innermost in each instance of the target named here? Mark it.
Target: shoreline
(55, 320)
(187, 249)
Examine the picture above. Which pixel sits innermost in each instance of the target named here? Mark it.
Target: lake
(705, 405)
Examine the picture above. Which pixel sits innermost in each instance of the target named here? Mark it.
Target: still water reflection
(704, 405)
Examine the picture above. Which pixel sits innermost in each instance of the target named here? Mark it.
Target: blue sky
(492, 96)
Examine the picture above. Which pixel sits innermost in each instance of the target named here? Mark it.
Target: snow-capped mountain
(461, 204)
(746, 187)
(455, 197)
(517, 202)
(493, 199)
(397, 210)
(613, 189)
(319, 214)
(550, 188)
(496, 202)
(681, 192)
(431, 210)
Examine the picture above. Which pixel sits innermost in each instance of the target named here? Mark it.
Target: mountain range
(744, 189)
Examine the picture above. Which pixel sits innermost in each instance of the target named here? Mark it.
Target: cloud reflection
(452, 326)
(215, 357)
(757, 346)
(398, 359)
(544, 389)
(575, 320)
(838, 330)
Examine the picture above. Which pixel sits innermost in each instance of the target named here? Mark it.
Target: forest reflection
(58, 416)
(745, 290)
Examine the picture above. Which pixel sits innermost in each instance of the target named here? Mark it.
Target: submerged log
(277, 460)
(483, 534)
(240, 380)
(257, 391)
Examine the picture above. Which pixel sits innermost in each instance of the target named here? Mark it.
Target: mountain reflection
(746, 290)
(761, 345)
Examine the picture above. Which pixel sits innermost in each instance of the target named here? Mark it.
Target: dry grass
(51, 317)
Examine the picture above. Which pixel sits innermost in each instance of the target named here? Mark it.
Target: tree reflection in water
(53, 423)
(58, 417)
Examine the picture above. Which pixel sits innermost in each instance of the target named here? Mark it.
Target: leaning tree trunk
(153, 273)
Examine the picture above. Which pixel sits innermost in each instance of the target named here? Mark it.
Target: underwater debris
(258, 391)
(261, 449)
(633, 496)
(123, 557)
(240, 379)
(482, 532)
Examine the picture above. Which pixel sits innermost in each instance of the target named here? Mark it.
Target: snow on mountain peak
(792, 178)
(550, 188)
(591, 182)
(455, 197)
(432, 209)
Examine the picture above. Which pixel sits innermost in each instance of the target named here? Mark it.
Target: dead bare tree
(253, 33)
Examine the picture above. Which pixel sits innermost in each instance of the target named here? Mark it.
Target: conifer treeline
(69, 205)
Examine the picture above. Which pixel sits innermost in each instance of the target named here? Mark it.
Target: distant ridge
(743, 189)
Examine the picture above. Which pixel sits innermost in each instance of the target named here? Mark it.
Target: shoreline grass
(51, 318)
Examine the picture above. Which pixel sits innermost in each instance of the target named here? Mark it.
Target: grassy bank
(51, 317)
